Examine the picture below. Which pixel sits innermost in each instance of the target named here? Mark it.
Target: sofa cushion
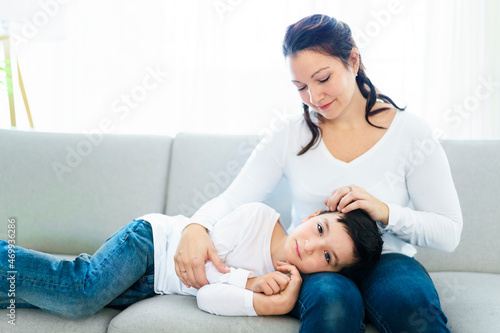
(471, 301)
(174, 313)
(69, 192)
(38, 321)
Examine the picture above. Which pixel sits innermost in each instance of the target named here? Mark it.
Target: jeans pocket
(146, 284)
(142, 289)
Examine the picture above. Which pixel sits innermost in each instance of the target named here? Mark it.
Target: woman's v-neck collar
(365, 155)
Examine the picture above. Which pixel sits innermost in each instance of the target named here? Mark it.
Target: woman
(352, 148)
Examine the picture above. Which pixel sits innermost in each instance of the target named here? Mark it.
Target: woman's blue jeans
(120, 273)
(397, 295)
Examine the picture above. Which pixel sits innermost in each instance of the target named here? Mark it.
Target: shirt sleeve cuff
(249, 303)
(394, 218)
(239, 277)
(205, 224)
(226, 300)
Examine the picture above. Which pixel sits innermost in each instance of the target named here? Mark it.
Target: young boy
(137, 263)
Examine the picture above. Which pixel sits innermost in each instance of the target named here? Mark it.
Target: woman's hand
(194, 249)
(269, 284)
(348, 198)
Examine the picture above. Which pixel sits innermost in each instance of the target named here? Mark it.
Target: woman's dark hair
(329, 36)
(366, 237)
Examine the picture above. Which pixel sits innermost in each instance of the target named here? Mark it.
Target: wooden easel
(10, 87)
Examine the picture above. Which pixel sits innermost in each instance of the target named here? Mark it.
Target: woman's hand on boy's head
(269, 284)
(352, 197)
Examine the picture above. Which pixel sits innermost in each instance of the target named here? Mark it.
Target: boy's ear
(311, 216)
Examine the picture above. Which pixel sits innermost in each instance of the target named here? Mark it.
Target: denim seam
(302, 309)
(376, 316)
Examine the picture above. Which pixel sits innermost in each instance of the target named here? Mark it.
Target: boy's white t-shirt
(242, 240)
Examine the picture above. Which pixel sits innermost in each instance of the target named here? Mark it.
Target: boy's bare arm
(284, 301)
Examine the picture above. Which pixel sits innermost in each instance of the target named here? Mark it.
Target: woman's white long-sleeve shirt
(242, 240)
(407, 169)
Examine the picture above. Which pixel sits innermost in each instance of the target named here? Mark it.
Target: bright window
(164, 67)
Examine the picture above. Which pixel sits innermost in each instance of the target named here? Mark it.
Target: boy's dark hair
(366, 237)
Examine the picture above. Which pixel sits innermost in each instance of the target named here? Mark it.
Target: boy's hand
(291, 292)
(268, 284)
(283, 302)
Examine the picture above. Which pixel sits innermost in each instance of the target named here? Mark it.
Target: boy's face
(320, 244)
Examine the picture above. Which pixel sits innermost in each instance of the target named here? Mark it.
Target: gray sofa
(69, 192)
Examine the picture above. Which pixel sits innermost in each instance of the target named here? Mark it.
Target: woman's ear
(354, 60)
(311, 216)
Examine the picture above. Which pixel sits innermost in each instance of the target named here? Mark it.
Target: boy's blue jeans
(398, 295)
(120, 273)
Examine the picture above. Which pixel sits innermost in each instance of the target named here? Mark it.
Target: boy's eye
(320, 229)
(323, 81)
(327, 257)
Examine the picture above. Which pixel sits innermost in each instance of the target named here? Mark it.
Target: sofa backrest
(204, 165)
(69, 192)
(474, 166)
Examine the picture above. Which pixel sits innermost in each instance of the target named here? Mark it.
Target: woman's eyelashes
(321, 81)
(325, 79)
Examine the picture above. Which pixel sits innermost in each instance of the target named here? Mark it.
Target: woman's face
(324, 83)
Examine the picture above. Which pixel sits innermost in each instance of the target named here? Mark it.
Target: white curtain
(164, 67)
